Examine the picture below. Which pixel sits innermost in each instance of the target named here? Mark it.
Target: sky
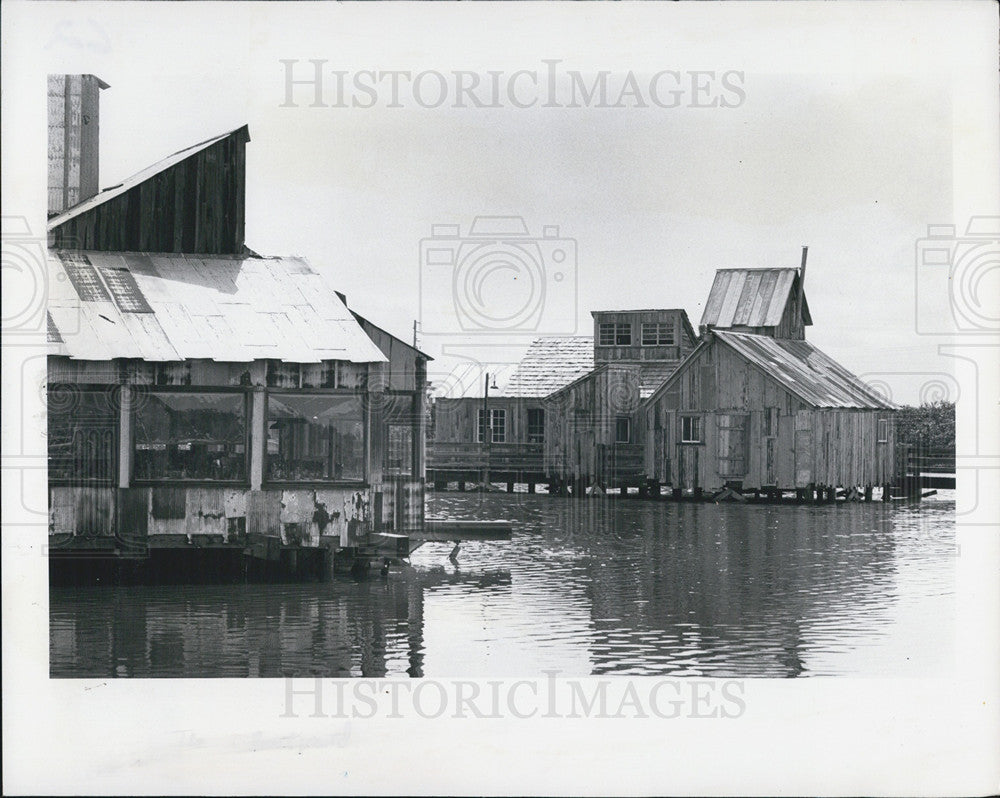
(852, 157)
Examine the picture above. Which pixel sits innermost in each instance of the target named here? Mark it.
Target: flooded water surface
(584, 587)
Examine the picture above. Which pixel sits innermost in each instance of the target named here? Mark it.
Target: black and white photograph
(576, 398)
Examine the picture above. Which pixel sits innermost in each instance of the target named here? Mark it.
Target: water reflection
(585, 587)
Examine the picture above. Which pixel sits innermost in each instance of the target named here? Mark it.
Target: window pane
(315, 437)
(607, 334)
(190, 436)
(499, 421)
(622, 429)
(536, 426)
(400, 450)
(623, 335)
(82, 433)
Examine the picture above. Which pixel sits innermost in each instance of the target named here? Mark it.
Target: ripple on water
(591, 587)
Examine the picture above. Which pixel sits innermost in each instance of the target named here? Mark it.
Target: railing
(503, 457)
(934, 468)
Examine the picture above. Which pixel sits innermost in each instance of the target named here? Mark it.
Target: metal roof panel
(223, 308)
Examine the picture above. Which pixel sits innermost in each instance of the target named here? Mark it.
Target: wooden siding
(733, 398)
(456, 420)
(580, 433)
(195, 206)
(683, 339)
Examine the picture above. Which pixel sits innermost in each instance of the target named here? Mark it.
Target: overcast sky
(833, 145)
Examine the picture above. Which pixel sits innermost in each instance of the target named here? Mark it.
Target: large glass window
(83, 430)
(315, 437)
(190, 435)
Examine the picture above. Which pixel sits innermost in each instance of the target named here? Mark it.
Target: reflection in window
(399, 452)
(82, 433)
(313, 437)
(536, 425)
(181, 435)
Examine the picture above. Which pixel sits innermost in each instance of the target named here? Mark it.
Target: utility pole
(487, 433)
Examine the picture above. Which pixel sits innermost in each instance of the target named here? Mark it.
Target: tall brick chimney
(74, 114)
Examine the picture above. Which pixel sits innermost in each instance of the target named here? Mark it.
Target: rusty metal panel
(263, 512)
(177, 307)
(805, 371)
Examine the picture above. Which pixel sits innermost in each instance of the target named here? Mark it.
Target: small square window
(614, 334)
(691, 429)
(657, 333)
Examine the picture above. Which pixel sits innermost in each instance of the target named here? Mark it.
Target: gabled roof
(751, 298)
(798, 366)
(169, 307)
(651, 374)
(140, 177)
(550, 364)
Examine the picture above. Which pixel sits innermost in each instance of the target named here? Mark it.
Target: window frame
(531, 430)
(770, 422)
(628, 429)
(501, 412)
(113, 391)
(690, 440)
(666, 326)
(880, 425)
(360, 395)
(617, 328)
(243, 391)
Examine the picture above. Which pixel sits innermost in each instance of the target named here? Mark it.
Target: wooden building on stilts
(210, 409)
(757, 408)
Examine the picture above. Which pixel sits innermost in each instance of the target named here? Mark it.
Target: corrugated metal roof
(550, 364)
(217, 307)
(806, 371)
(137, 178)
(751, 298)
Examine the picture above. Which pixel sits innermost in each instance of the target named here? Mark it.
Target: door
(733, 444)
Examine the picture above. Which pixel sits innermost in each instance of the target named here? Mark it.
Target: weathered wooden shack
(757, 407)
(594, 437)
(515, 418)
(201, 397)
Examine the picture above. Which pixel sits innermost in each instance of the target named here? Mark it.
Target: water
(585, 587)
